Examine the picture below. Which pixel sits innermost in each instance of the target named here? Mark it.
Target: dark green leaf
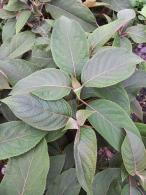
(41, 114)
(133, 153)
(73, 9)
(8, 30)
(56, 166)
(108, 67)
(69, 157)
(17, 138)
(109, 119)
(115, 188)
(47, 84)
(17, 69)
(103, 180)
(69, 46)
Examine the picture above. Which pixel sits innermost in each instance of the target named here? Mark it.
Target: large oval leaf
(85, 154)
(17, 138)
(48, 84)
(73, 9)
(109, 119)
(108, 67)
(133, 154)
(41, 114)
(69, 46)
(26, 174)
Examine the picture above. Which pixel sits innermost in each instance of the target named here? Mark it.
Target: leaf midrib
(10, 139)
(46, 110)
(71, 54)
(134, 160)
(34, 88)
(28, 172)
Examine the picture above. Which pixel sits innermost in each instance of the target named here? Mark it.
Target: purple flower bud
(106, 153)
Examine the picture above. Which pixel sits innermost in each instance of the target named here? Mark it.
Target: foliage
(68, 96)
